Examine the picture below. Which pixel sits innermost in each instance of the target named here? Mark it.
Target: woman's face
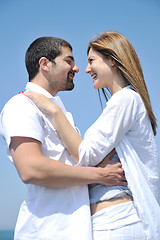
(101, 70)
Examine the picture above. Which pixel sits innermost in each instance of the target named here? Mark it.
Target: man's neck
(44, 84)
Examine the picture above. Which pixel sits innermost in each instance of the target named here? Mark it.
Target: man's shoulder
(18, 101)
(20, 117)
(18, 98)
(20, 109)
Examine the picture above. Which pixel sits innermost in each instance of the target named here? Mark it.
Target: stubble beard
(69, 84)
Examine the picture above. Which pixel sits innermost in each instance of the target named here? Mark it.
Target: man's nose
(75, 69)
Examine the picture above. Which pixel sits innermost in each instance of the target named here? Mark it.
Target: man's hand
(111, 171)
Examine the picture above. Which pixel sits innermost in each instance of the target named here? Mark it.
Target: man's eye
(68, 61)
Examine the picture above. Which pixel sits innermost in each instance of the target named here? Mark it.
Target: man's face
(62, 72)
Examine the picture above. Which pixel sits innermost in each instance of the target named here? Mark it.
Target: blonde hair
(116, 46)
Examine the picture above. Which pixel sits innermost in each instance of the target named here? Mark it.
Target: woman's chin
(95, 86)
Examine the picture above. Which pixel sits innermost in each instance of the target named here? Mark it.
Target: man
(57, 204)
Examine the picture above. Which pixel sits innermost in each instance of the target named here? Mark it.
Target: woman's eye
(90, 60)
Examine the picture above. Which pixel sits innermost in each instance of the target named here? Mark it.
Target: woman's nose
(88, 69)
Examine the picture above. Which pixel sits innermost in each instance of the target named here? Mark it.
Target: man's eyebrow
(71, 57)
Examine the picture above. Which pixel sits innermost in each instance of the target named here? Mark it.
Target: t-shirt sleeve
(20, 117)
(117, 119)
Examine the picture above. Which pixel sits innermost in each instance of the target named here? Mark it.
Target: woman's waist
(95, 207)
(99, 193)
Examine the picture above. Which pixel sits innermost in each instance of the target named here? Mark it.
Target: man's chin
(68, 88)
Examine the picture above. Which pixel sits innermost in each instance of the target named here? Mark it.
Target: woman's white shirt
(124, 124)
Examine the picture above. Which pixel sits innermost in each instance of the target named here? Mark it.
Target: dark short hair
(49, 47)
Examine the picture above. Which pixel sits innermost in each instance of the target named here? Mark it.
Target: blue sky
(22, 21)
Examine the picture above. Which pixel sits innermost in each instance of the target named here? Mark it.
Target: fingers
(29, 94)
(32, 95)
(42, 102)
(113, 174)
(123, 183)
(122, 179)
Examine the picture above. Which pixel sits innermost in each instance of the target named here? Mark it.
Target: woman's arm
(103, 136)
(66, 132)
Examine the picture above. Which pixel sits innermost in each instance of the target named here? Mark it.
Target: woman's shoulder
(126, 99)
(127, 95)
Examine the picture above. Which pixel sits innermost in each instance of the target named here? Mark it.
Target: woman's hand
(43, 103)
(66, 132)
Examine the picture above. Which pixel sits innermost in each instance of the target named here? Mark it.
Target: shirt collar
(129, 87)
(36, 88)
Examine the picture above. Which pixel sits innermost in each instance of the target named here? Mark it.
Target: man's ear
(43, 63)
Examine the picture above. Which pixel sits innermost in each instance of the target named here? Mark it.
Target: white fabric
(114, 217)
(118, 222)
(125, 125)
(129, 232)
(47, 213)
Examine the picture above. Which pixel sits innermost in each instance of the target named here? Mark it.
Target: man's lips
(71, 74)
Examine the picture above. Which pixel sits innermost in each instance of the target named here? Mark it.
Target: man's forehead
(66, 52)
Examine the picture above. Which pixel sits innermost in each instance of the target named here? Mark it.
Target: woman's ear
(43, 63)
(113, 63)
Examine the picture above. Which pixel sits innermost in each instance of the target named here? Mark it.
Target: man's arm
(34, 168)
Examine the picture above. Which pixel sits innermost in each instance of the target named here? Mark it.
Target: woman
(126, 124)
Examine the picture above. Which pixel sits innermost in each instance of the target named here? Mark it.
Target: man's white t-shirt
(47, 213)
